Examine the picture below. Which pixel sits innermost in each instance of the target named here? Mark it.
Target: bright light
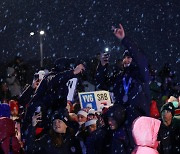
(41, 32)
(106, 49)
(32, 33)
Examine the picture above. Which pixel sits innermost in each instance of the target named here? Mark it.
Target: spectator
(117, 141)
(21, 69)
(93, 142)
(91, 114)
(91, 125)
(82, 117)
(13, 82)
(8, 141)
(5, 94)
(169, 86)
(60, 138)
(145, 130)
(81, 134)
(169, 134)
(29, 90)
(52, 92)
(26, 96)
(130, 86)
(14, 107)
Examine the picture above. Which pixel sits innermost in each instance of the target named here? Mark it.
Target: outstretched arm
(137, 55)
(119, 32)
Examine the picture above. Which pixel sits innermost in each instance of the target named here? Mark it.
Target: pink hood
(145, 130)
(7, 131)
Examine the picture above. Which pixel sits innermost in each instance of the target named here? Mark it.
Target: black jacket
(169, 137)
(51, 95)
(26, 95)
(44, 145)
(53, 89)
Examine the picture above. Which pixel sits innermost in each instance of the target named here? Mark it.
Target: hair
(58, 138)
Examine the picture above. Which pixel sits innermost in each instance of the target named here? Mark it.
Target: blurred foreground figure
(145, 130)
(8, 140)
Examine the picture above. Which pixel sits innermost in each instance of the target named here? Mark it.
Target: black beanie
(126, 54)
(168, 106)
(60, 115)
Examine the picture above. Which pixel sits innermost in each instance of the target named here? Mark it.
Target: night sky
(81, 28)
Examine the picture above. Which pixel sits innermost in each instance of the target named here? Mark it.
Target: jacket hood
(7, 128)
(118, 113)
(145, 130)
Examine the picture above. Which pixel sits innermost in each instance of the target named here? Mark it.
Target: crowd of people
(144, 116)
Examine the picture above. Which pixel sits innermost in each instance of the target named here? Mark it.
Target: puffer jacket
(7, 136)
(145, 130)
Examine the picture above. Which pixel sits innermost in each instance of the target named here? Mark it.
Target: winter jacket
(51, 95)
(53, 90)
(8, 141)
(26, 95)
(138, 103)
(45, 145)
(169, 137)
(145, 130)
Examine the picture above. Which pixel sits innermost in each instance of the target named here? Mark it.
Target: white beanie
(41, 74)
(89, 105)
(84, 113)
(90, 122)
(91, 111)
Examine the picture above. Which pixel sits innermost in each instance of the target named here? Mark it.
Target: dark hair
(58, 138)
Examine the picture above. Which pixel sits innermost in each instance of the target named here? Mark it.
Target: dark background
(81, 28)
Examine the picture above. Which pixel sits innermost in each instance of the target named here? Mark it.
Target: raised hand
(79, 69)
(36, 118)
(119, 32)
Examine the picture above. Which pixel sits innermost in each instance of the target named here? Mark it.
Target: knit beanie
(62, 116)
(4, 110)
(168, 106)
